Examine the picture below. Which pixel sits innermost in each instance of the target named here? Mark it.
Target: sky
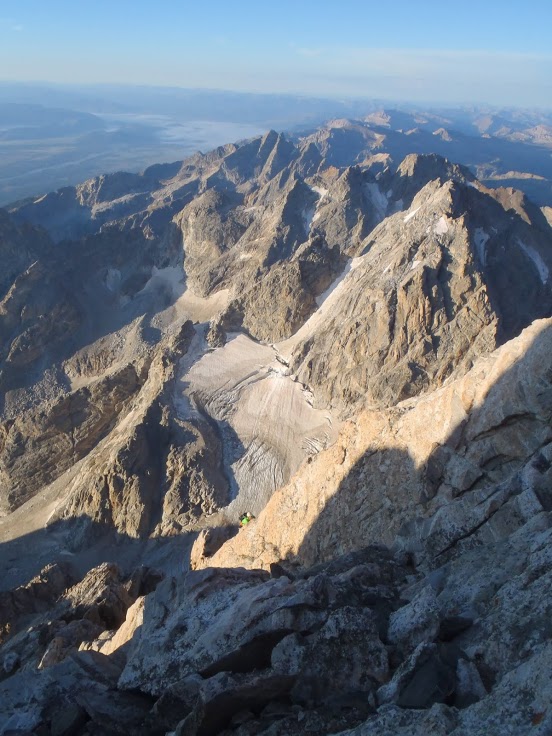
(484, 51)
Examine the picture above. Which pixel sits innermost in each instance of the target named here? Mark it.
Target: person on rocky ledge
(246, 518)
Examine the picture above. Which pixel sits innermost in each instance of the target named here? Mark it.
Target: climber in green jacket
(246, 518)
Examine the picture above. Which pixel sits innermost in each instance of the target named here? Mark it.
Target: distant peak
(443, 134)
(270, 138)
(433, 166)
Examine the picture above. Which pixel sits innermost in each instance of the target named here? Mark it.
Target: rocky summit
(355, 349)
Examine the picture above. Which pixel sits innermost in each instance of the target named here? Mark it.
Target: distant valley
(56, 137)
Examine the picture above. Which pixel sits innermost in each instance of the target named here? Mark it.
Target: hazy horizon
(476, 54)
(373, 101)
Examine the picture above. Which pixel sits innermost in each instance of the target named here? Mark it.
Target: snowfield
(265, 417)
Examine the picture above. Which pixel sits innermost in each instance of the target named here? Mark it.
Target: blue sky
(484, 51)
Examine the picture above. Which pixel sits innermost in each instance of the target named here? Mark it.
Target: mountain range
(343, 332)
(58, 135)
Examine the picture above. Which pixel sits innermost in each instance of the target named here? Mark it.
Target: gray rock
(416, 623)
(289, 654)
(68, 720)
(469, 686)
(215, 335)
(10, 662)
(345, 655)
(37, 595)
(426, 677)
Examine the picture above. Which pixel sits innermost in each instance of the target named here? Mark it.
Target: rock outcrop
(435, 289)
(155, 473)
(21, 247)
(362, 642)
(38, 446)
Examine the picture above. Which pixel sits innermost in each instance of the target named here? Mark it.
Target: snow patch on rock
(441, 227)
(410, 215)
(536, 257)
(377, 197)
(480, 239)
(170, 278)
(308, 218)
(113, 279)
(321, 191)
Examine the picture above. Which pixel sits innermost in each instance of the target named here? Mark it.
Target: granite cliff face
(434, 288)
(356, 350)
